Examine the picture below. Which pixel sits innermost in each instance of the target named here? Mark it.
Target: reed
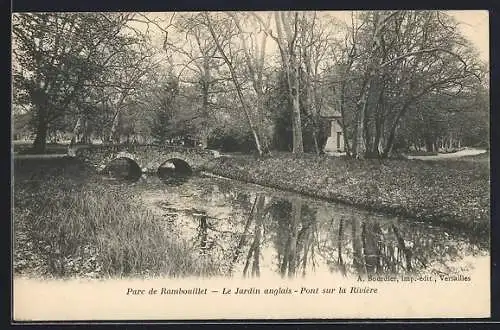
(102, 230)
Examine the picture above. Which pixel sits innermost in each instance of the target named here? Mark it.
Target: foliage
(279, 108)
(231, 140)
(162, 127)
(444, 123)
(70, 66)
(21, 125)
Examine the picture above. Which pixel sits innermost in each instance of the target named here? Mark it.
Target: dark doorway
(123, 168)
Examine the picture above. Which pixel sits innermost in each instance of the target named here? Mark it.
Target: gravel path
(461, 153)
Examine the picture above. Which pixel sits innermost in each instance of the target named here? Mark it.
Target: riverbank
(69, 222)
(26, 148)
(451, 193)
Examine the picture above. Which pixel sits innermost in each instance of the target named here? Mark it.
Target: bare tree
(315, 42)
(392, 60)
(244, 103)
(202, 62)
(287, 34)
(254, 61)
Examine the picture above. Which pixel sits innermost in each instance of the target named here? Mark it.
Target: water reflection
(255, 231)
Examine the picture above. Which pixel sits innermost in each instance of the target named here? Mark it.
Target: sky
(474, 25)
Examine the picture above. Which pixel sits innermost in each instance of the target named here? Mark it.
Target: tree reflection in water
(340, 260)
(372, 245)
(262, 231)
(254, 252)
(202, 240)
(203, 234)
(295, 236)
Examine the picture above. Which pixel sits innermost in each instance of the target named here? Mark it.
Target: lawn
(25, 148)
(481, 158)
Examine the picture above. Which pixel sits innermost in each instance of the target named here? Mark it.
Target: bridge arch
(150, 158)
(123, 167)
(174, 167)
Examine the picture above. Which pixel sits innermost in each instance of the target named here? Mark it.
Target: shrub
(232, 141)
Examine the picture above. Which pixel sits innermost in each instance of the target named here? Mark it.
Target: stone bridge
(149, 158)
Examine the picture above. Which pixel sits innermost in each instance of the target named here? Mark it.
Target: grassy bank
(482, 158)
(451, 192)
(24, 148)
(67, 224)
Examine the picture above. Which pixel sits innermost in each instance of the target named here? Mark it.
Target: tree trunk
(294, 92)
(114, 135)
(205, 86)
(86, 132)
(342, 113)
(429, 145)
(359, 145)
(315, 140)
(392, 131)
(292, 250)
(257, 236)
(367, 139)
(260, 126)
(40, 143)
(237, 86)
(81, 132)
(291, 65)
(298, 144)
(356, 246)
(368, 126)
(379, 124)
(255, 68)
(390, 142)
(311, 98)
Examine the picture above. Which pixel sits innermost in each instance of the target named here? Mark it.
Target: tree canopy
(400, 79)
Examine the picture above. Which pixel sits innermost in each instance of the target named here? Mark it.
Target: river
(255, 231)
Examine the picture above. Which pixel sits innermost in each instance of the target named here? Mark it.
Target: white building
(335, 143)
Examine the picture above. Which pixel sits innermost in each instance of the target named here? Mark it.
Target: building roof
(329, 111)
